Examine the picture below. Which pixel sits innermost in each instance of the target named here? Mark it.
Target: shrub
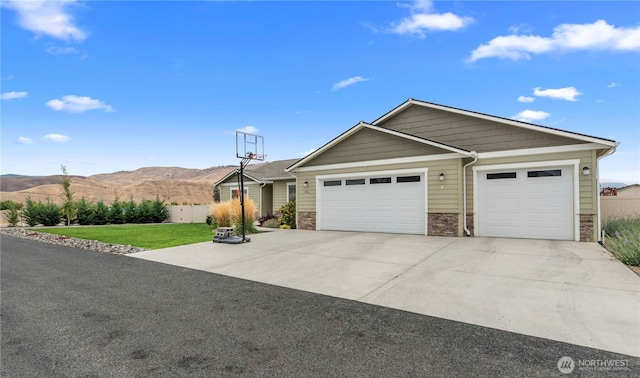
(50, 214)
(623, 239)
(11, 216)
(101, 214)
(130, 212)
(84, 212)
(250, 211)
(268, 217)
(116, 212)
(221, 213)
(8, 204)
(144, 212)
(288, 214)
(271, 223)
(31, 212)
(160, 211)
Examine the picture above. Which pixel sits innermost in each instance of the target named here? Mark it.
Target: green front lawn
(144, 236)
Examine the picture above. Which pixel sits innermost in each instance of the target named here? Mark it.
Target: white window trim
(288, 185)
(421, 171)
(534, 164)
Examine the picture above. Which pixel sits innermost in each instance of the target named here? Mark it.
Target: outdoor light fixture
(585, 171)
(306, 183)
(441, 176)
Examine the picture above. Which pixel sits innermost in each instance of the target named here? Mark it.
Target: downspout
(609, 152)
(474, 155)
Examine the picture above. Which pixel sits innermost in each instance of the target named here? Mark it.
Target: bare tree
(67, 206)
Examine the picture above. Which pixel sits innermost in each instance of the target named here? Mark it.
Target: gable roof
(507, 121)
(264, 173)
(360, 126)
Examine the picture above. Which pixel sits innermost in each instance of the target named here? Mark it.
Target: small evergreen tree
(160, 211)
(84, 212)
(31, 212)
(145, 212)
(51, 214)
(130, 211)
(101, 215)
(116, 213)
(11, 216)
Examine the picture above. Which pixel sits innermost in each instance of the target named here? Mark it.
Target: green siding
(470, 133)
(280, 194)
(442, 197)
(367, 144)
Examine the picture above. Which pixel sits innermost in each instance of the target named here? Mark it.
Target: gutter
(474, 155)
(609, 152)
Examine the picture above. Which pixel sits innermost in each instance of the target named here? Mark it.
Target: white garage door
(384, 203)
(526, 203)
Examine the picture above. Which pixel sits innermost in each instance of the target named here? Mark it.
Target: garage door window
(408, 179)
(498, 176)
(380, 180)
(549, 173)
(333, 183)
(355, 182)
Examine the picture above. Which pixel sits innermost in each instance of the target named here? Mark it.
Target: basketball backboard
(249, 146)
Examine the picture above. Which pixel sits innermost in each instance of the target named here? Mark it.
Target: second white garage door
(535, 203)
(393, 203)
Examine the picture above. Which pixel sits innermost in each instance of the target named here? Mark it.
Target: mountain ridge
(171, 184)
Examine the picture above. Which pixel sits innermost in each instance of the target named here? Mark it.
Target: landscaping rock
(90, 245)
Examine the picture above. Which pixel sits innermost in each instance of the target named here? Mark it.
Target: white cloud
(13, 95)
(78, 104)
(25, 140)
(526, 99)
(566, 37)
(309, 152)
(50, 18)
(248, 130)
(568, 93)
(56, 138)
(531, 115)
(57, 50)
(423, 19)
(348, 82)
(613, 85)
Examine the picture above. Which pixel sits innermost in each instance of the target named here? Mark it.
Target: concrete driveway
(565, 291)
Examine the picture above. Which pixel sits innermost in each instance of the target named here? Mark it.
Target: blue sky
(104, 86)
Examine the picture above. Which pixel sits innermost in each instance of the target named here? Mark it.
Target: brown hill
(172, 184)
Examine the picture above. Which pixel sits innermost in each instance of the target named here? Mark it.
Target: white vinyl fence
(618, 207)
(188, 214)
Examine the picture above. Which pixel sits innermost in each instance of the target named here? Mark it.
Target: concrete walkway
(565, 291)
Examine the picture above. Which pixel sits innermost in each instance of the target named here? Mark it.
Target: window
(498, 176)
(408, 179)
(333, 183)
(549, 173)
(235, 193)
(355, 182)
(291, 192)
(380, 180)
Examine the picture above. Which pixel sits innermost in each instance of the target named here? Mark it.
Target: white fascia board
(542, 150)
(529, 126)
(374, 163)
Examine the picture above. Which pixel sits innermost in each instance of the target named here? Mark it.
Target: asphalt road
(75, 313)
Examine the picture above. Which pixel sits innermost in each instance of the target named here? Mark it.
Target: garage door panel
(395, 207)
(526, 203)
